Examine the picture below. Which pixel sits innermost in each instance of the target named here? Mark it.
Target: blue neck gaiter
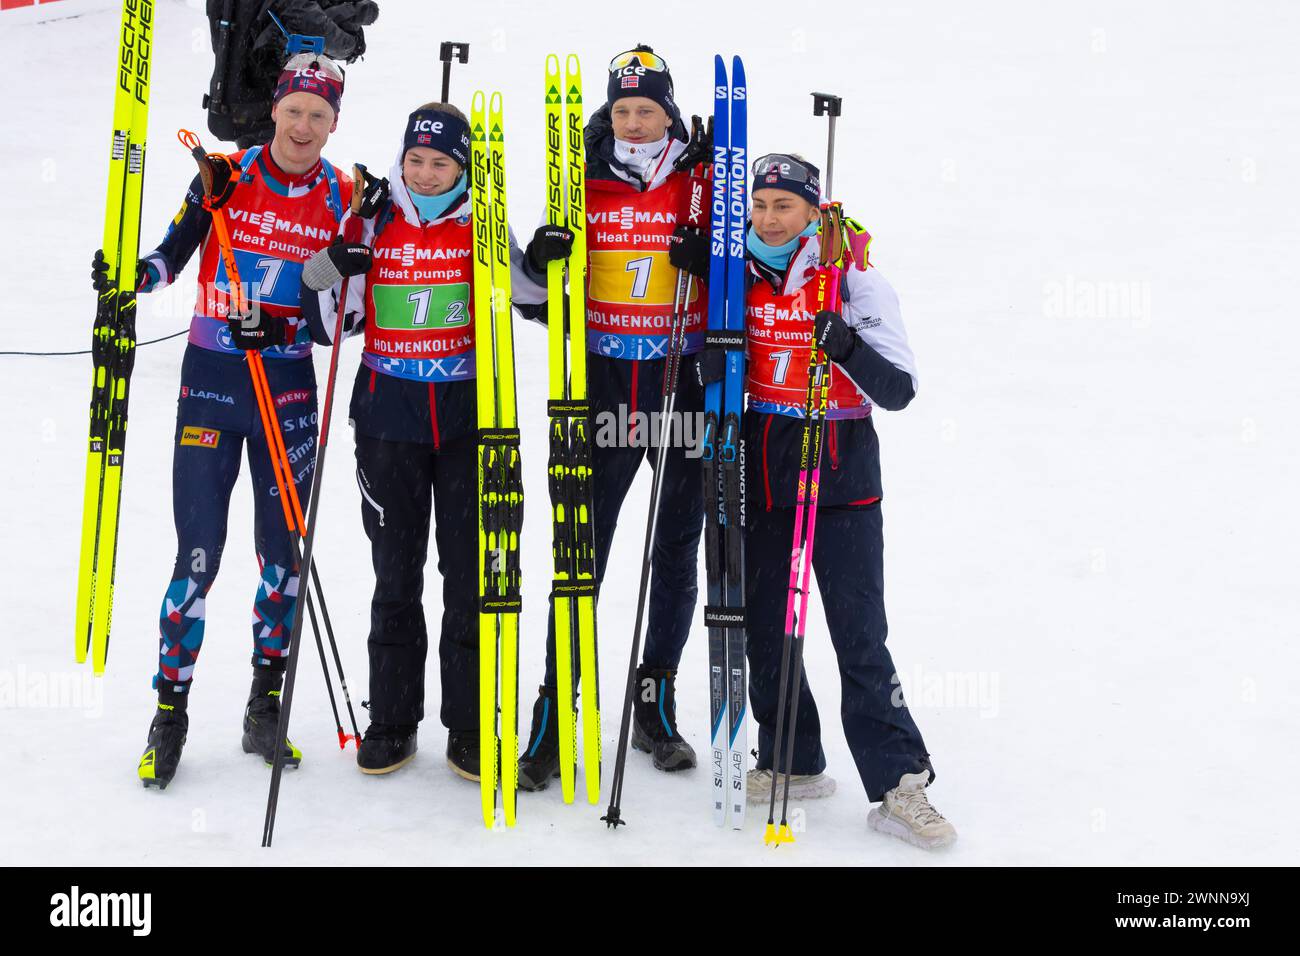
(431, 207)
(776, 257)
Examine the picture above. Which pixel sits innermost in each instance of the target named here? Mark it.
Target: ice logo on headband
(773, 168)
(427, 126)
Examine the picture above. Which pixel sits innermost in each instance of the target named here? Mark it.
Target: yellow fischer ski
(500, 476)
(113, 340)
(574, 587)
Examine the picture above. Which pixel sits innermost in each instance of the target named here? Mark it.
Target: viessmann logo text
(627, 217)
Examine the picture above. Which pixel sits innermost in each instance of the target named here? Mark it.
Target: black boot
(541, 760)
(262, 717)
(167, 735)
(462, 753)
(654, 727)
(386, 747)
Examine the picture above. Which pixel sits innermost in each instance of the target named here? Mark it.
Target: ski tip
(775, 836)
(552, 63)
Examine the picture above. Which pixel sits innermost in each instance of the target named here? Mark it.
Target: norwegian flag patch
(631, 81)
(424, 138)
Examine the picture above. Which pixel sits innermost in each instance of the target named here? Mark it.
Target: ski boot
(462, 753)
(386, 747)
(654, 727)
(262, 718)
(167, 735)
(541, 761)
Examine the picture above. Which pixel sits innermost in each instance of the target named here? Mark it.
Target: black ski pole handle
(447, 52)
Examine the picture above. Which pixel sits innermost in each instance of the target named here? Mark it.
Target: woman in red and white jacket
(415, 415)
(872, 366)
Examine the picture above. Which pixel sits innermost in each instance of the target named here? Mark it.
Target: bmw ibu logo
(224, 339)
(610, 345)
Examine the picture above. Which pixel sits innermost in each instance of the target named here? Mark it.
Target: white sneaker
(803, 786)
(906, 813)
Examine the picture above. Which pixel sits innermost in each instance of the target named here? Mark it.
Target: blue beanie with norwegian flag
(634, 79)
(440, 130)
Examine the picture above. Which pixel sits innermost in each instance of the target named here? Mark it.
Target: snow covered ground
(1090, 216)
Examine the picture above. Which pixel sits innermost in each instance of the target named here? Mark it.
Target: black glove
(99, 273)
(350, 258)
(689, 249)
(699, 148)
(353, 16)
(332, 264)
(833, 335)
(257, 330)
(548, 244)
(710, 366)
(217, 173)
(369, 195)
(367, 13)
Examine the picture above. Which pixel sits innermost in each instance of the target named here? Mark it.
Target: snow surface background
(1090, 508)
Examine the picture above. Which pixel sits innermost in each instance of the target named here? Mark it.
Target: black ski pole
(828, 104)
(672, 364)
(672, 368)
(286, 697)
(447, 52)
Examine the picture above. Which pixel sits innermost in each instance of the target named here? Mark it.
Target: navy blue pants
(674, 558)
(217, 419)
(403, 486)
(847, 564)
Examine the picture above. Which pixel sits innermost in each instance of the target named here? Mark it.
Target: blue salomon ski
(723, 449)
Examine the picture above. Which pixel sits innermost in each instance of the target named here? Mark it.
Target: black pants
(847, 563)
(403, 484)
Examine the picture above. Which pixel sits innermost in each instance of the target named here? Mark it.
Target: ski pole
(676, 340)
(447, 52)
(351, 234)
(830, 105)
(287, 487)
(833, 253)
(612, 815)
